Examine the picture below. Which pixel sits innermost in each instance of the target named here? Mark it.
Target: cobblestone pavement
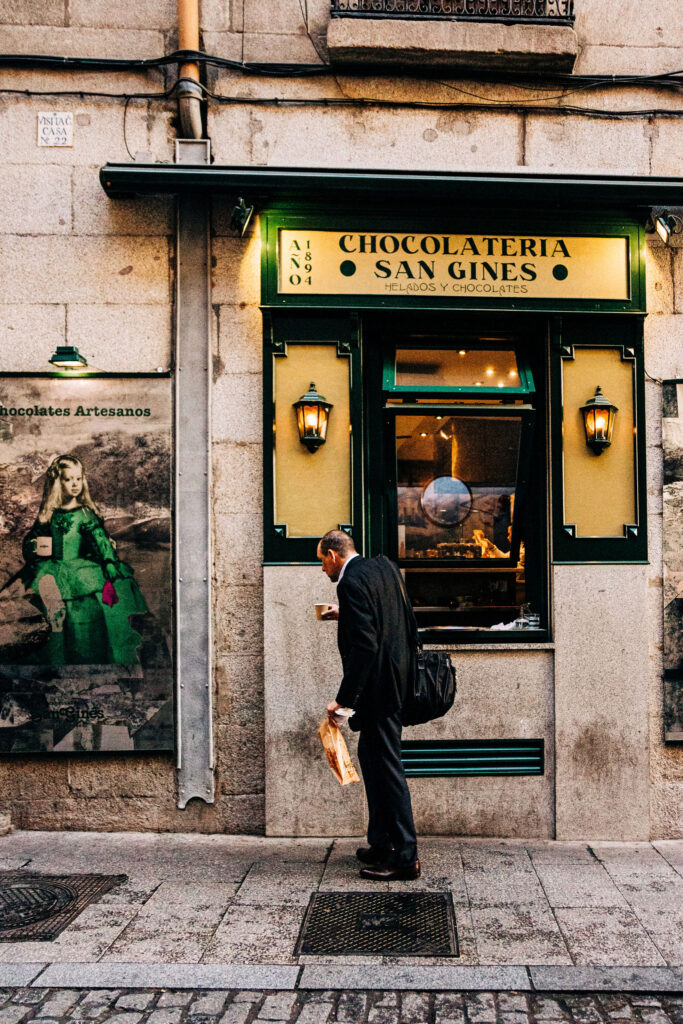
(109, 1006)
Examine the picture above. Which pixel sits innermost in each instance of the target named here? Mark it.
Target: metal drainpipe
(189, 90)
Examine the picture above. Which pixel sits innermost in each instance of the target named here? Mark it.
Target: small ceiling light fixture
(67, 357)
(598, 420)
(665, 224)
(241, 216)
(312, 417)
(490, 371)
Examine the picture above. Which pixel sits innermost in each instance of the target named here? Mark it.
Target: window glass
(456, 367)
(456, 483)
(458, 491)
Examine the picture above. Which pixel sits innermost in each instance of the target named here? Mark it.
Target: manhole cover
(39, 907)
(26, 902)
(385, 923)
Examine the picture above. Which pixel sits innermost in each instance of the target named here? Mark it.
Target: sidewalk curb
(607, 979)
(282, 977)
(175, 976)
(416, 978)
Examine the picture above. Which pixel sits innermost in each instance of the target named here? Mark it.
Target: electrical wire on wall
(567, 85)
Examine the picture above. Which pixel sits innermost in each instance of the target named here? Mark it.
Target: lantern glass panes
(312, 415)
(598, 418)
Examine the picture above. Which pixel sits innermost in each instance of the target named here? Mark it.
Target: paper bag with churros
(337, 753)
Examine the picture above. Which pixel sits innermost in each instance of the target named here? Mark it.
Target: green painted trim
(290, 563)
(449, 758)
(390, 387)
(87, 375)
(615, 332)
(281, 329)
(455, 221)
(380, 458)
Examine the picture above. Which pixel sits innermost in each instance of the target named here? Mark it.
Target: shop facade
(473, 371)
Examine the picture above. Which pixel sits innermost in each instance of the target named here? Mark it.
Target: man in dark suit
(373, 638)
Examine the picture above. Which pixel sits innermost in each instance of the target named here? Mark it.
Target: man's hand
(331, 708)
(331, 613)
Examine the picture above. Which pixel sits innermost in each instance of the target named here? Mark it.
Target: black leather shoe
(389, 874)
(371, 855)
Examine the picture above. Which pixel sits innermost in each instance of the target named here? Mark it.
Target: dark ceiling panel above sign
(267, 185)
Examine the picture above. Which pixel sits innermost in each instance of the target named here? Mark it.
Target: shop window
(464, 482)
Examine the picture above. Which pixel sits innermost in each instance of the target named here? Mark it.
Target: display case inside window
(464, 459)
(461, 488)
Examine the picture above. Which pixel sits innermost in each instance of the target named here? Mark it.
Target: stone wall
(77, 268)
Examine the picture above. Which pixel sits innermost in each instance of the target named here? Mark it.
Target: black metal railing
(558, 12)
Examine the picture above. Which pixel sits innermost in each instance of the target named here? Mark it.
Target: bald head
(337, 540)
(333, 550)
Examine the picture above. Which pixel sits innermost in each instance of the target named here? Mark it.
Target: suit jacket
(374, 640)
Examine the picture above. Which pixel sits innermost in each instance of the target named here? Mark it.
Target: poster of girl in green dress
(86, 613)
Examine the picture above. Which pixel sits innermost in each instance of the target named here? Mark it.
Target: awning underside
(268, 186)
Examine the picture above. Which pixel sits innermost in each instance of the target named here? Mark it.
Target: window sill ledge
(394, 42)
(504, 645)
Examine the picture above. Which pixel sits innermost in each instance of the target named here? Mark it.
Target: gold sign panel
(441, 266)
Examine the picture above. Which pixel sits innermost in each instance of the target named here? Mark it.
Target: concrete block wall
(237, 525)
(663, 360)
(76, 268)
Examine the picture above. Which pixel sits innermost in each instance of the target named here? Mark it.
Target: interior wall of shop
(78, 268)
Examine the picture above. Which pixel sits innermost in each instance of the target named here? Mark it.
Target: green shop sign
(322, 260)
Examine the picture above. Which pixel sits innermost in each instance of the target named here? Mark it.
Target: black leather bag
(432, 687)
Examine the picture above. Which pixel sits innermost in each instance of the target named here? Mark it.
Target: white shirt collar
(343, 568)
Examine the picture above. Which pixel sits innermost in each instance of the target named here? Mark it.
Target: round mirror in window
(446, 501)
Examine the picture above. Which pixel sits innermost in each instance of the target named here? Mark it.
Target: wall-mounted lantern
(312, 415)
(67, 357)
(598, 420)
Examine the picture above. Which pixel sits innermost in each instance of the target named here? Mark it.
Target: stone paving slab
(604, 979)
(19, 974)
(185, 976)
(575, 882)
(236, 900)
(519, 934)
(606, 937)
(421, 979)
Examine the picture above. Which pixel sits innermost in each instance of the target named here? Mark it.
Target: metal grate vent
(384, 923)
(423, 758)
(39, 907)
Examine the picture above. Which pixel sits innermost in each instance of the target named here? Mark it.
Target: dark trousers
(390, 826)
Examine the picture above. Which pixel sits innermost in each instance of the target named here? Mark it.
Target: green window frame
(385, 399)
(391, 389)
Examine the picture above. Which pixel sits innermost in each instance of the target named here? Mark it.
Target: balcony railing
(543, 12)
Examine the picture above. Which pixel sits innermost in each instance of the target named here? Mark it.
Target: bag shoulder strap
(415, 635)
